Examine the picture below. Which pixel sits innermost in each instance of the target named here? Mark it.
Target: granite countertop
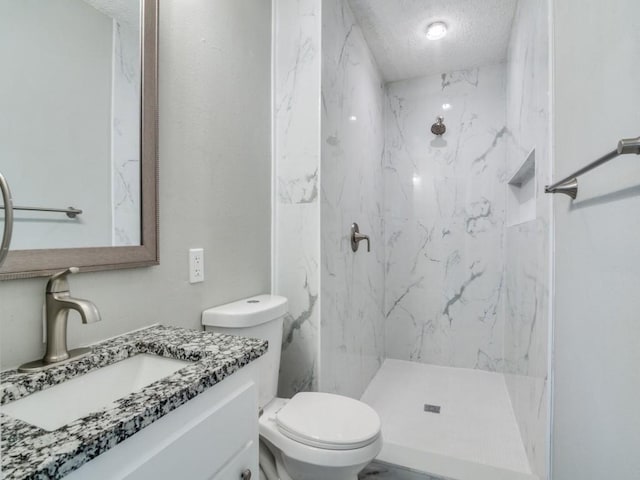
(30, 452)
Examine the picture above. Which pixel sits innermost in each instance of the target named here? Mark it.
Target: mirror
(78, 133)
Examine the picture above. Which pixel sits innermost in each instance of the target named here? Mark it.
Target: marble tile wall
(296, 222)
(527, 269)
(125, 140)
(352, 291)
(444, 210)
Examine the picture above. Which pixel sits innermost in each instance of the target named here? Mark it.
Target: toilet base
(290, 469)
(295, 470)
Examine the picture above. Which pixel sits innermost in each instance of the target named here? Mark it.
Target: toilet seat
(328, 421)
(270, 431)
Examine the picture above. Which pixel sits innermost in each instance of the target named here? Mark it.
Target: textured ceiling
(478, 34)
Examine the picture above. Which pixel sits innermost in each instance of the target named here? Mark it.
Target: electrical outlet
(196, 265)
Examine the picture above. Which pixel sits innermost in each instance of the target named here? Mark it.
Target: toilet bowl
(319, 436)
(312, 436)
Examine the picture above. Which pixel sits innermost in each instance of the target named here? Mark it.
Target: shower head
(439, 127)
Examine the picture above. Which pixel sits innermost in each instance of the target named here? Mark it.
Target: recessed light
(446, 106)
(436, 30)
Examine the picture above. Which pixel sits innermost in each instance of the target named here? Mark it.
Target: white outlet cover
(196, 265)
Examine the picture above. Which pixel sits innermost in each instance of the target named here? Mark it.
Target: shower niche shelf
(521, 192)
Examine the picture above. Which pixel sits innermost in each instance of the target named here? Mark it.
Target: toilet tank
(258, 317)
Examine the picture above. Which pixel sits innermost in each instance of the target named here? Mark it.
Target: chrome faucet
(57, 305)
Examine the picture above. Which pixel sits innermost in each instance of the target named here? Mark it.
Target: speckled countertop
(29, 452)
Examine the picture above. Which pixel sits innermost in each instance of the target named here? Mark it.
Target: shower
(434, 313)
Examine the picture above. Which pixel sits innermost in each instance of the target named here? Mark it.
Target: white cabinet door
(245, 462)
(198, 440)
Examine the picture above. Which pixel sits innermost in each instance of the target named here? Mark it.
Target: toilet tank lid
(247, 312)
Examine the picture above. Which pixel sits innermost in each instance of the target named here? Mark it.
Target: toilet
(312, 436)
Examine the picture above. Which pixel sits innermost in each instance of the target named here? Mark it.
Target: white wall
(596, 393)
(215, 117)
(55, 120)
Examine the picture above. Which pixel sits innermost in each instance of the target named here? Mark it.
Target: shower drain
(431, 408)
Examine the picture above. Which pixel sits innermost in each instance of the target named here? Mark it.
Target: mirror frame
(39, 263)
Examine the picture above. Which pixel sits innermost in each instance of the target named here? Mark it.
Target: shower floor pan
(473, 437)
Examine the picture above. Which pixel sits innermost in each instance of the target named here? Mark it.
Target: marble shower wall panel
(125, 140)
(528, 244)
(297, 211)
(298, 275)
(352, 321)
(444, 219)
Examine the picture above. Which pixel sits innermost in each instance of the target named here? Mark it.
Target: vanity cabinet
(213, 436)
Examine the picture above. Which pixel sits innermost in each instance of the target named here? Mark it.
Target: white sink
(95, 391)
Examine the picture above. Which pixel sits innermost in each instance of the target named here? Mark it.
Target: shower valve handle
(357, 237)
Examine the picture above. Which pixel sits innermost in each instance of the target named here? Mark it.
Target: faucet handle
(58, 282)
(357, 237)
